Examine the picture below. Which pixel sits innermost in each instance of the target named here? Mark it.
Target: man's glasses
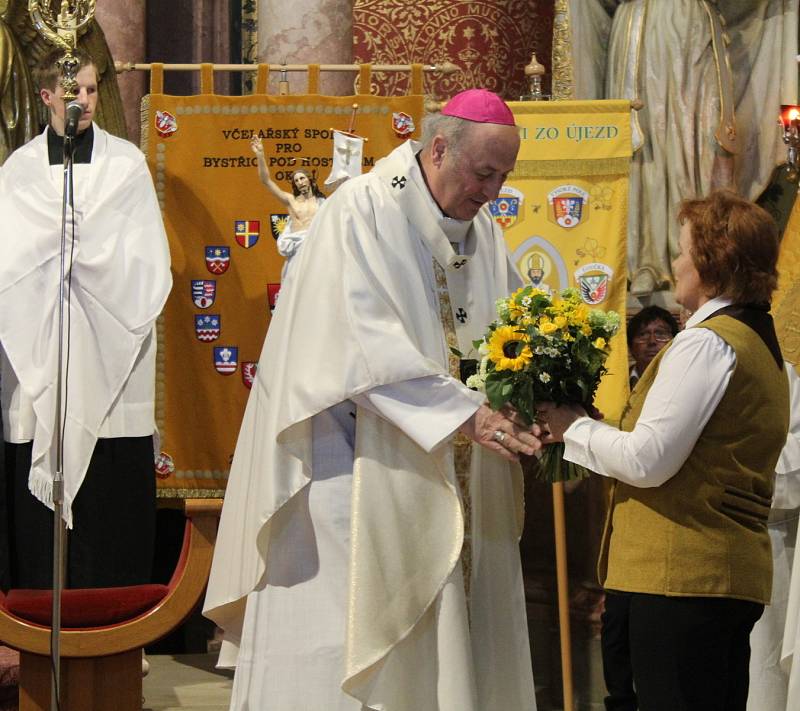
(659, 336)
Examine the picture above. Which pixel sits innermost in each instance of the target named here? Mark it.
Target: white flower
(477, 382)
(544, 377)
(484, 367)
(502, 309)
(483, 349)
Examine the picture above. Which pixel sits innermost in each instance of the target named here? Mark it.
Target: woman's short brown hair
(734, 246)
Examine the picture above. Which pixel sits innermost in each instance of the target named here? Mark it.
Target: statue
(302, 204)
(19, 120)
(712, 75)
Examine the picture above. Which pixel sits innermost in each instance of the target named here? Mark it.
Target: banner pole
(443, 68)
(559, 527)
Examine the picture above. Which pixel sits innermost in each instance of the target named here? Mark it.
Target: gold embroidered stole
(462, 445)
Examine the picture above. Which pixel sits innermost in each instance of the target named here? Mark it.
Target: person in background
(769, 680)
(648, 332)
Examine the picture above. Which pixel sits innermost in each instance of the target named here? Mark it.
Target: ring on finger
(499, 436)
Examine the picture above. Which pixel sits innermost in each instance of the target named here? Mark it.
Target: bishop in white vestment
(368, 556)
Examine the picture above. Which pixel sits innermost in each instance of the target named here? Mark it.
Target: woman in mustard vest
(692, 465)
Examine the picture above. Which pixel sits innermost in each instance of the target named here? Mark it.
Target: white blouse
(692, 378)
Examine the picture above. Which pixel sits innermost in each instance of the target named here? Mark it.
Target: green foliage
(499, 388)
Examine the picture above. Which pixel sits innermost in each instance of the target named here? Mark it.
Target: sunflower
(509, 349)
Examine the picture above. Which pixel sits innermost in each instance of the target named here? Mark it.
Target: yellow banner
(786, 299)
(573, 130)
(564, 212)
(222, 225)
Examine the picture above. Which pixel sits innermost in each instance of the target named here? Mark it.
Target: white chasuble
(350, 532)
(119, 283)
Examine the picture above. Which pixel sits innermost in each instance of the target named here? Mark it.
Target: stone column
(308, 32)
(123, 23)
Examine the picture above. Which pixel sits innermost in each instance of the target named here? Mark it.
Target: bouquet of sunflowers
(539, 349)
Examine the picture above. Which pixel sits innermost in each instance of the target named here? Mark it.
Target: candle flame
(790, 114)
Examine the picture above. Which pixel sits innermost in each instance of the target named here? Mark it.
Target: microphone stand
(59, 529)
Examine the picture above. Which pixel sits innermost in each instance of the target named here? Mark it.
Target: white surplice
(351, 528)
(119, 283)
(774, 678)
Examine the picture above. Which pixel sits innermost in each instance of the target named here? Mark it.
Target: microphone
(72, 115)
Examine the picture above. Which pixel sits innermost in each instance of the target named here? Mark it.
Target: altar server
(117, 285)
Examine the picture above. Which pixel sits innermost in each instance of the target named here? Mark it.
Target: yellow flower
(547, 327)
(580, 314)
(600, 343)
(515, 311)
(503, 349)
(586, 330)
(560, 321)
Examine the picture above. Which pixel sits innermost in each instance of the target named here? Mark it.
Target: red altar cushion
(91, 607)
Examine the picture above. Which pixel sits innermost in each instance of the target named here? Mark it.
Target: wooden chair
(101, 667)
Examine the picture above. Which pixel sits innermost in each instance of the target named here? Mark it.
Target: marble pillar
(123, 23)
(308, 32)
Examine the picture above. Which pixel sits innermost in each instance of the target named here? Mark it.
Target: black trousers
(113, 536)
(689, 653)
(616, 648)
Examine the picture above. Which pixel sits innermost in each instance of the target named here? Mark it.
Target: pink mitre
(481, 106)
